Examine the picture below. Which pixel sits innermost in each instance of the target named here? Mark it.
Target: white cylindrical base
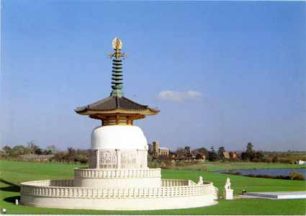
(117, 178)
(117, 182)
(120, 204)
(173, 194)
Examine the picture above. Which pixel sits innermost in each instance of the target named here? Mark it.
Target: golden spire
(117, 83)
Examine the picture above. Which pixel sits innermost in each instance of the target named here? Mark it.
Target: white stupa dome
(118, 137)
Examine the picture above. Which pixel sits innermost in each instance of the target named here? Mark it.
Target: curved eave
(85, 111)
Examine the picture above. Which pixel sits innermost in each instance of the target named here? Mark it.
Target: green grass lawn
(13, 172)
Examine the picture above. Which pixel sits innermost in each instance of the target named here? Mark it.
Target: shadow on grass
(12, 187)
(11, 199)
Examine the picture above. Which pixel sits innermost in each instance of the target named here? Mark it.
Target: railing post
(118, 154)
(98, 159)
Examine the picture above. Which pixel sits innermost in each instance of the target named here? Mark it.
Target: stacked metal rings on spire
(117, 74)
(117, 83)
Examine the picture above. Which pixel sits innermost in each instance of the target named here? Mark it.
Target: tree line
(50, 153)
(250, 154)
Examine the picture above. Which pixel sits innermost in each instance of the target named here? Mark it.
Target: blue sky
(222, 73)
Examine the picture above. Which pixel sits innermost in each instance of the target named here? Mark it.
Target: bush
(72, 156)
(153, 164)
(296, 176)
(275, 159)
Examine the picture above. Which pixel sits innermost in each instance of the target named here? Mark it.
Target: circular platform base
(173, 194)
(120, 204)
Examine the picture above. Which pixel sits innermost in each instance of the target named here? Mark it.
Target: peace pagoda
(118, 177)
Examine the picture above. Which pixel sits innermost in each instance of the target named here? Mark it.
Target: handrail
(41, 188)
(117, 173)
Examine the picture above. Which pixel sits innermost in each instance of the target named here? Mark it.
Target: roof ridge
(114, 103)
(130, 100)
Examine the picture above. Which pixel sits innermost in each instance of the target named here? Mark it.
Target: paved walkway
(276, 195)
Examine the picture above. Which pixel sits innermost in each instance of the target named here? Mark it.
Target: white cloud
(178, 96)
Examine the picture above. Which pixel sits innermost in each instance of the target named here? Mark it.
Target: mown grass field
(13, 172)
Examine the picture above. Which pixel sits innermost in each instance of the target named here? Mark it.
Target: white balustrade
(115, 173)
(170, 188)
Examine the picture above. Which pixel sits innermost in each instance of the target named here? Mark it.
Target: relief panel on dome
(108, 159)
(143, 160)
(128, 159)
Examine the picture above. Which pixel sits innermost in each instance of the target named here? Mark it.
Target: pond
(267, 172)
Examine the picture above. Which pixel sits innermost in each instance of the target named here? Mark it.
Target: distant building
(234, 155)
(172, 155)
(226, 155)
(230, 155)
(155, 148)
(163, 151)
(200, 156)
(157, 151)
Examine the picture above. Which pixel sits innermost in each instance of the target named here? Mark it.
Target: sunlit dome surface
(118, 137)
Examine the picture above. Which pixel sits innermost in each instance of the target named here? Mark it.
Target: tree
(7, 149)
(51, 149)
(212, 155)
(72, 155)
(203, 151)
(259, 156)
(249, 154)
(19, 150)
(180, 153)
(221, 150)
(38, 151)
(249, 148)
(275, 159)
(33, 148)
(244, 156)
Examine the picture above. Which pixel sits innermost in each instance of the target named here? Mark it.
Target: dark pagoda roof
(115, 104)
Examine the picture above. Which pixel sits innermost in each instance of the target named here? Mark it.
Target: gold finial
(117, 44)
